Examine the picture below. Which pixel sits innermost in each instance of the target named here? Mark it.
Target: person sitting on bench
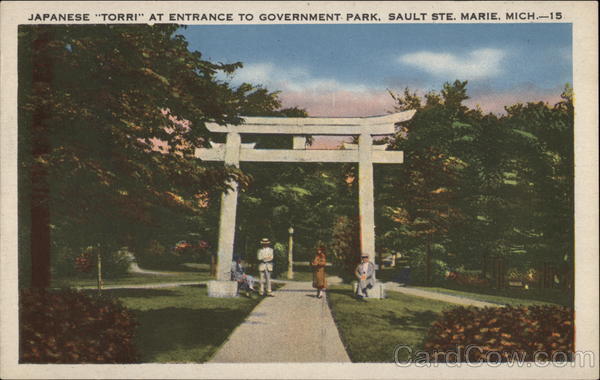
(365, 273)
(245, 282)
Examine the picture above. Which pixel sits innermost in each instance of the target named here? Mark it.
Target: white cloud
(257, 73)
(477, 64)
(290, 79)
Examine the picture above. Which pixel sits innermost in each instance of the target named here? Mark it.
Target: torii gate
(365, 153)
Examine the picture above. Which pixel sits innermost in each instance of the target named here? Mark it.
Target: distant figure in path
(265, 266)
(318, 264)
(365, 273)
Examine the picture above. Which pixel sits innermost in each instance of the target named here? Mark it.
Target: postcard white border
(583, 16)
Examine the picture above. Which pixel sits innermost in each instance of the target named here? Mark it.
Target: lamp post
(290, 274)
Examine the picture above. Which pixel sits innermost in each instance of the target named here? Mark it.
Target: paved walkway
(135, 268)
(293, 326)
(392, 286)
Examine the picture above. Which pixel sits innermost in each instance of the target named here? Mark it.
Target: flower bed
(68, 326)
(498, 334)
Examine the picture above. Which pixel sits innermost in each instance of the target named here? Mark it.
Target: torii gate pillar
(228, 210)
(365, 153)
(366, 199)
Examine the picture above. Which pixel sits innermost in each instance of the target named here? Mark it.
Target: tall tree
(544, 171)
(109, 117)
(426, 183)
(483, 185)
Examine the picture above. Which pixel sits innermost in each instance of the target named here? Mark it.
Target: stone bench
(222, 289)
(376, 292)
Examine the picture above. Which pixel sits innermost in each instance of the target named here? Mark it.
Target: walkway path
(293, 326)
(135, 268)
(392, 286)
(155, 285)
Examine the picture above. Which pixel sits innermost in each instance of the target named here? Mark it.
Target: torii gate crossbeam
(365, 153)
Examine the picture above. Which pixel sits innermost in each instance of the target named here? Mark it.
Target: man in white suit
(265, 266)
(365, 273)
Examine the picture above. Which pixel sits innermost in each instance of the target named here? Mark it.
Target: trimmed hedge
(514, 332)
(68, 326)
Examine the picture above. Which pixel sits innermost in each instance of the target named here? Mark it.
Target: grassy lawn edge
(501, 300)
(371, 330)
(182, 324)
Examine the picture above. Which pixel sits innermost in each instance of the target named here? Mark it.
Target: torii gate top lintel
(373, 125)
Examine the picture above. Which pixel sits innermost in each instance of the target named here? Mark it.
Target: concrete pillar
(366, 201)
(228, 211)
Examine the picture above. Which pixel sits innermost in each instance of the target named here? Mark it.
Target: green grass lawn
(182, 324)
(132, 279)
(372, 330)
(498, 298)
(188, 272)
(506, 296)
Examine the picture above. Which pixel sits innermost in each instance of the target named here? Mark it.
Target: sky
(347, 70)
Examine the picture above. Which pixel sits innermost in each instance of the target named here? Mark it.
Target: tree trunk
(99, 269)
(501, 272)
(428, 264)
(485, 266)
(40, 188)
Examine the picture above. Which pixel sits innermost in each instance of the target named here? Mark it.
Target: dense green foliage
(501, 334)
(481, 186)
(109, 116)
(474, 187)
(345, 246)
(71, 327)
(307, 197)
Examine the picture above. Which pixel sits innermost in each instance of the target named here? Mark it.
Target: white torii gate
(365, 153)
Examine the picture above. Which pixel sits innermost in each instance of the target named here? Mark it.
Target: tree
(308, 197)
(421, 193)
(109, 117)
(482, 185)
(544, 171)
(345, 245)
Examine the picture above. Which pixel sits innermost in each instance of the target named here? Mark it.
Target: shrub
(68, 326)
(511, 331)
(344, 247)
(418, 265)
(154, 255)
(186, 251)
(116, 263)
(83, 263)
(67, 262)
(280, 259)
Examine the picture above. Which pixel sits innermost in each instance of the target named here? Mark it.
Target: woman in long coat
(318, 264)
